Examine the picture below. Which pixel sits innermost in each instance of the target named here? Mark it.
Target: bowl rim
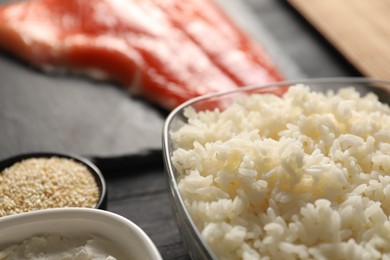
(94, 170)
(333, 80)
(79, 213)
(169, 168)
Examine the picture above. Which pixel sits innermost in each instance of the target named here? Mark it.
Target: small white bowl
(123, 233)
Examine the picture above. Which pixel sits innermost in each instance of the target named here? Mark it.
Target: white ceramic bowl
(123, 233)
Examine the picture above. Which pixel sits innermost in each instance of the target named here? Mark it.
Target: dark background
(74, 115)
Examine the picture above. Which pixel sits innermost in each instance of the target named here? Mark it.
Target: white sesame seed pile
(40, 183)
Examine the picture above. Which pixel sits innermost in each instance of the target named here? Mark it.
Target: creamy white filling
(53, 247)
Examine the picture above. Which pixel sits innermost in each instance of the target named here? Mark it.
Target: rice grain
(304, 176)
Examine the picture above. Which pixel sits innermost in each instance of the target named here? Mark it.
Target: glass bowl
(196, 246)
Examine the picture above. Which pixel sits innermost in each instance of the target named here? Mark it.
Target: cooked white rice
(306, 176)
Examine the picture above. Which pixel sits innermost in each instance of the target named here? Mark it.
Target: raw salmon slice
(224, 42)
(148, 46)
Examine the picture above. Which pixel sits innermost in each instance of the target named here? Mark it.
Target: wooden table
(74, 115)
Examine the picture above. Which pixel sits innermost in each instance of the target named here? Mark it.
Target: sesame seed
(40, 183)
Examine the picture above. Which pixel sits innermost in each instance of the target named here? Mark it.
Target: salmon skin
(168, 51)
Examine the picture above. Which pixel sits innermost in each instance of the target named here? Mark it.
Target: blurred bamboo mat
(358, 29)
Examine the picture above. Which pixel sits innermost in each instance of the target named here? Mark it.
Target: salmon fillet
(167, 51)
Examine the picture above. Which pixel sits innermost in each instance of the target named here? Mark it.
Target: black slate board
(71, 114)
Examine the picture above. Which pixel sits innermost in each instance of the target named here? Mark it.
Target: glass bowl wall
(196, 247)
